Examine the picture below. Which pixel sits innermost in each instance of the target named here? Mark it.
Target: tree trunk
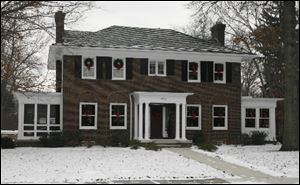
(291, 102)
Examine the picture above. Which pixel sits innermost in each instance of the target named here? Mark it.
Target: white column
(177, 123)
(147, 124)
(141, 121)
(272, 124)
(136, 121)
(183, 122)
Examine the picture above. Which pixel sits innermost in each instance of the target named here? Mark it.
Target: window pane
(118, 73)
(219, 76)
(152, 67)
(42, 114)
(250, 112)
(193, 76)
(193, 71)
(55, 128)
(88, 72)
(88, 121)
(39, 134)
(264, 113)
(192, 111)
(219, 68)
(28, 134)
(28, 127)
(54, 114)
(29, 114)
(192, 122)
(219, 111)
(118, 109)
(42, 128)
(219, 122)
(160, 68)
(250, 123)
(264, 123)
(88, 110)
(118, 121)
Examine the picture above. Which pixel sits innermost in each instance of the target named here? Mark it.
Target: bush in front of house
(198, 138)
(258, 137)
(72, 138)
(151, 146)
(119, 138)
(208, 147)
(7, 143)
(53, 139)
(134, 144)
(246, 139)
(201, 142)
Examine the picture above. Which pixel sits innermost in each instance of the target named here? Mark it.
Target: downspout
(130, 99)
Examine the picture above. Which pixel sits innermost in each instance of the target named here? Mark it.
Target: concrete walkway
(246, 174)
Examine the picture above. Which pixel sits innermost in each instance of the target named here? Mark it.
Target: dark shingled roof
(144, 39)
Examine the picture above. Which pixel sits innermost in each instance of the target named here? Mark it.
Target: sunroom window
(118, 116)
(250, 118)
(193, 117)
(88, 116)
(194, 71)
(88, 68)
(220, 117)
(264, 118)
(119, 69)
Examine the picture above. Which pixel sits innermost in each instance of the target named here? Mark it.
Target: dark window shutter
(207, 71)
(236, 73)
(58, 75)
(129, 68)
(184, 64)
(229, 72)
(104, 67)
(210, 71)
(144, 66)
(170, 67)
(77, 66)
(99, 70)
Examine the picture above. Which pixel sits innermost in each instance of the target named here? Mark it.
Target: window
(88, 116)
(88, 68)
(118, 116)
(219, 72)
(194, 71)
(157, 68)
(193, 117)
(250, 118)
(119, 69)
(264, 118)
(40, 119)
(220, 117)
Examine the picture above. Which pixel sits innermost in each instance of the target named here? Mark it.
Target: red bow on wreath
(194, 114)
(194, 67)
(118, 115)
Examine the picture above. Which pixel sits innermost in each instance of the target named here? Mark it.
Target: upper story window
(88, 116)
(250, 118)
(193, 117)
(264, 118)
(119, 69)
(220, 117)
(118, 116)
(88, 66)
(219, 72)
(157, 68)
(194, 71)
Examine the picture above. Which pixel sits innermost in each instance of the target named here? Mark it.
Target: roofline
(56, 52)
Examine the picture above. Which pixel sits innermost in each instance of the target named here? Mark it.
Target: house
(154, 84)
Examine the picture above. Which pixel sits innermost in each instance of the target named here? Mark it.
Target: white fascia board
(260, 102)
(56, 52)
(39, 98)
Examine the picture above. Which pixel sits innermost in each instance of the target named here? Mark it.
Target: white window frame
(255, 124)
(199, 117)
(224, 73)
(259, 118)
(112, 69)
(156, 67)
(80, 116)
(199, 69)
(83, 66)
(125, 117)
(225, 120)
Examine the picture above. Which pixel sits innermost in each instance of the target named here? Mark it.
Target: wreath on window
(89, 63)
(118, 63)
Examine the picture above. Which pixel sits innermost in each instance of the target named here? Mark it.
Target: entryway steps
(171, 143)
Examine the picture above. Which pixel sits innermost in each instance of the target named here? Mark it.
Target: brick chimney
(60, 23)
(218, 32)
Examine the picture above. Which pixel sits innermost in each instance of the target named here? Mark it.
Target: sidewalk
(246, 174)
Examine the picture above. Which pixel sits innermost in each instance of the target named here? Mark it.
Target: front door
(156, 121)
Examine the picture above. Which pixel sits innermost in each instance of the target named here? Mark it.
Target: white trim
(125, 117)
(164, 126)
(255, 119)
(56, 52)
(124, 69)
(80, 116)
(224, 73)
(156, 61)
(82, 68)
(199, 117)
(199, 69)
(225, 119)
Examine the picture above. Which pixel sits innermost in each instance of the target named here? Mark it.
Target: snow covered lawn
(97, 164)
(265, 158)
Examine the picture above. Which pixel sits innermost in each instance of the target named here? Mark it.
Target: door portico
(142, 101)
